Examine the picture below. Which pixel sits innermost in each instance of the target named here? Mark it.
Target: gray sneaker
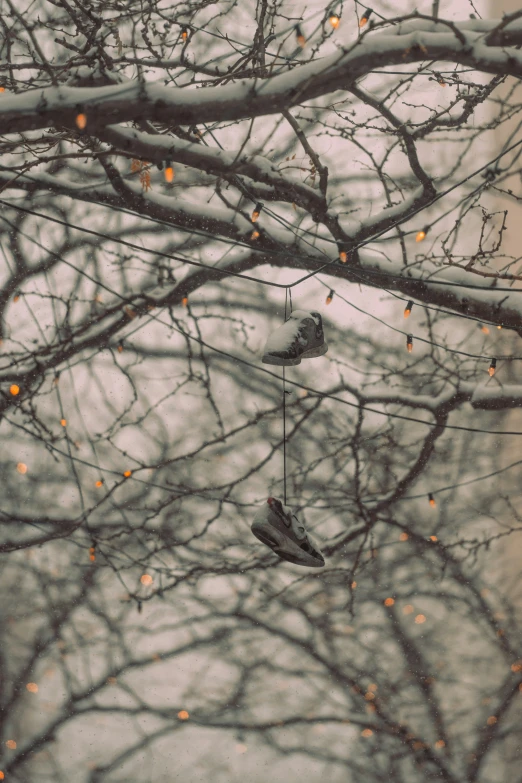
(276, 526)
(300, 337)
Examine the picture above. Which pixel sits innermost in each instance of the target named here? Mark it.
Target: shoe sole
(313, 353)
(281, 544)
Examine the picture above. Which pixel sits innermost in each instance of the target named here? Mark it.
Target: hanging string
(288, 302)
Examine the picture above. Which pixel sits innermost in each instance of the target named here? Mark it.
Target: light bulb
(407, 309)
(365, 17)
(301, 40)
(257, 211)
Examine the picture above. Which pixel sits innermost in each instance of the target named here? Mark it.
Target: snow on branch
(415, 41)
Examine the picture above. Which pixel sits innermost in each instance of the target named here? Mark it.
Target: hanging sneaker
(301, 337)
(276, 526)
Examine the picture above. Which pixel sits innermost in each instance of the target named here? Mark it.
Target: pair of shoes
(277, 526)
(300, 337)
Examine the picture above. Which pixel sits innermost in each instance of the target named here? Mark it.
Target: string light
(343, 256)
(184, 301)
(11, 744)
(128, 473)
(492, 367)
(330, 297)
(334, 20)
(301, 40)
(120, 348)
(365, 17)
(254, 234)
(389, 601)
(483, 328)
(432, 500)
(146, 579)
(499, 326)
(184, 33)
(22, 468)
(63, 422)
(433, 538)
(92, 554)
(169, 172)
(409, 343)
(407, 309)
(420, 618)
(14, 389)
(81, 120)
(422, 234)
(183, 715)
(257, 211)
(99, 483)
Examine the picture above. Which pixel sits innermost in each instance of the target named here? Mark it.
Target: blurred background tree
(172, 180)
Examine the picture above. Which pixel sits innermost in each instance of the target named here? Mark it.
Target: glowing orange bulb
(63, 422)
(432, 500)
(420, 618)
(257, 211)
(146, 579)
(420, 236)
(11, 744)
(440, 744)
(343, 256)
(366, 733)
(254, 234)
(16, 298)
(301, 40)
(14, 389)
(403, 537)
(184, 33)
(2, 776)
(334, 21)
(99, 483)
(120, 348)
(21, 468)
(128, 473)
(407, 309)
(389, 601)
(32, 687)
(499, 326)
(409, 343)
(169, 174)
(491, 720)
(433, 538)
(184, 301)
(183, 715)
(484, 329)
(365, 17)
(81, 121)
(2, 89)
